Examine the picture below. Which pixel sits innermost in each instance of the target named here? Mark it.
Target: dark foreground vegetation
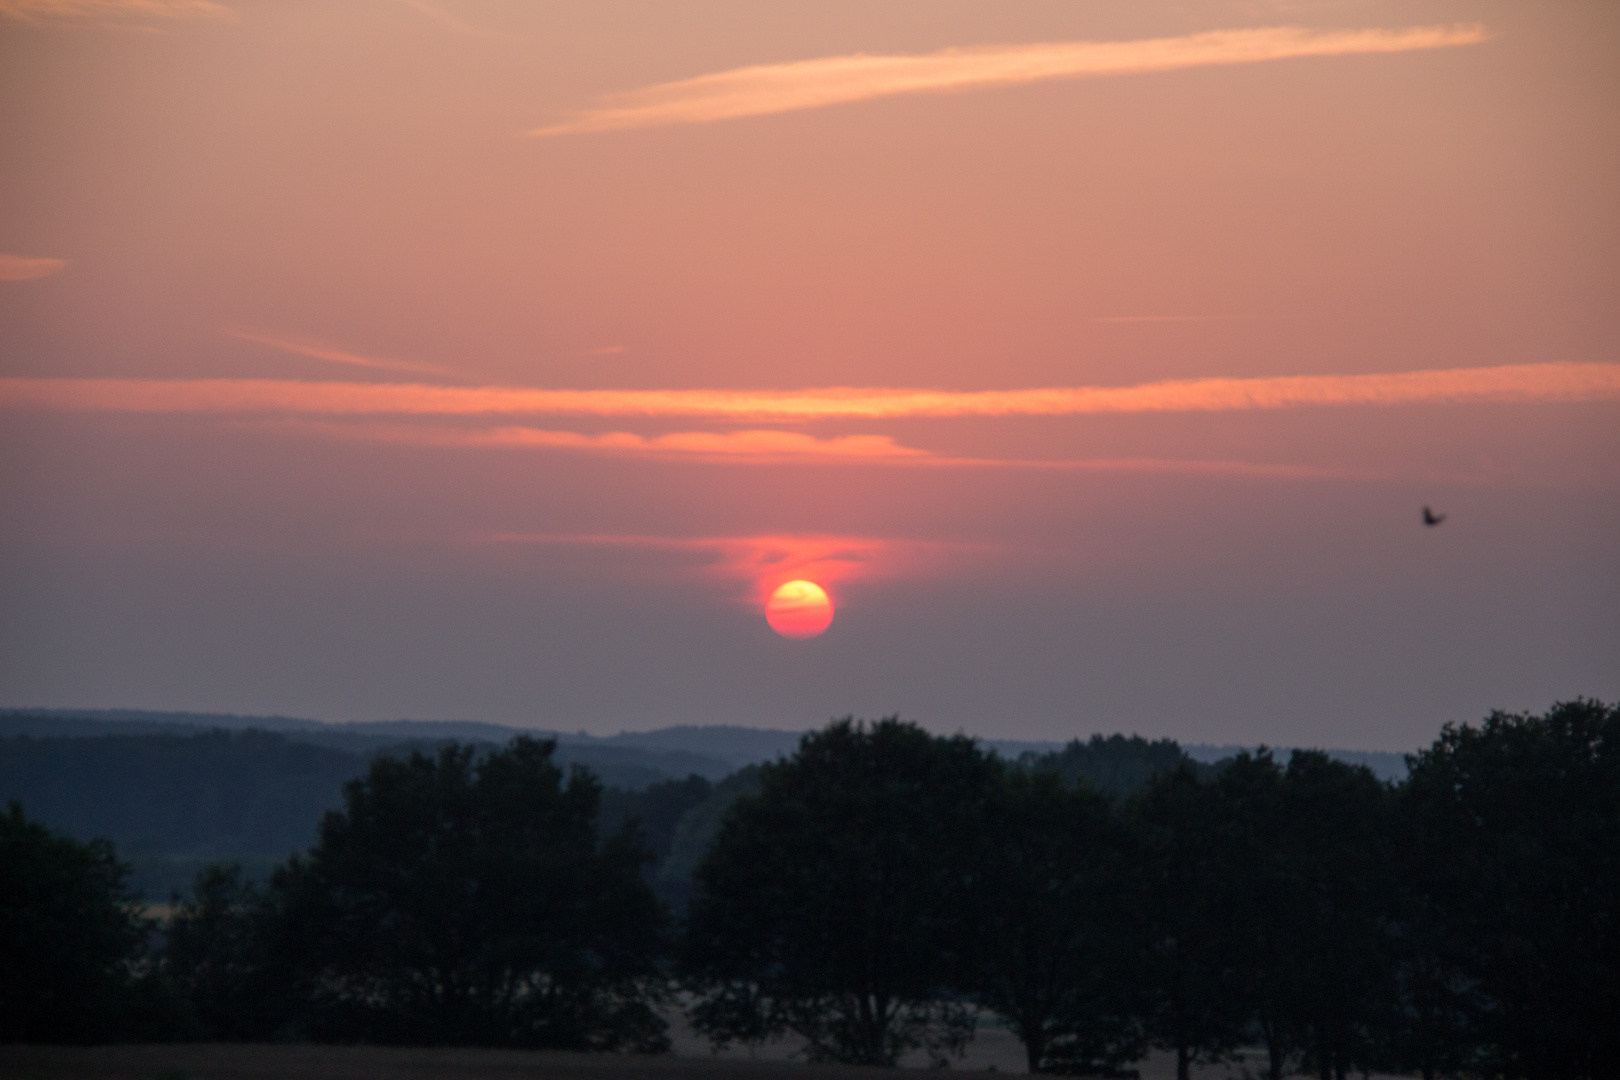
(308, 1061)
(874, 891)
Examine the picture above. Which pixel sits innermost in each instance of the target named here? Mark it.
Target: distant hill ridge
(711, 751)
(176, 790)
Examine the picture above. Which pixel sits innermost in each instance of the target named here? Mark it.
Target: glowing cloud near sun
(799, 609)
(1549, 382)
(786, 574)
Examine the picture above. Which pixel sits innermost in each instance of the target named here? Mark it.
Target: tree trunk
(1034, 1049)
(1274, 1050)
(1183, 1062)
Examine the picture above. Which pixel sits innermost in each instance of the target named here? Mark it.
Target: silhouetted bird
(1432, 518)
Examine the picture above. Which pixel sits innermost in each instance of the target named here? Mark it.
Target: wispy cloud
(766, 561)
(1513, 383)
(446, 18)
(18, 268)
(1171, 318)
(780, 448)
(339, 356)
(108, 11)
(783, 448)
(837, 80)
(747, 447)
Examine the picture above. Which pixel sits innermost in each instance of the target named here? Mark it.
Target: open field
(216, 1061)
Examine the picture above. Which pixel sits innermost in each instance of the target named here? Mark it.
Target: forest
(876, 891)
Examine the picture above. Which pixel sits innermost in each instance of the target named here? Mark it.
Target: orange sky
(494, 359)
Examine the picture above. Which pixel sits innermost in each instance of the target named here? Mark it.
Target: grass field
(215, 1061)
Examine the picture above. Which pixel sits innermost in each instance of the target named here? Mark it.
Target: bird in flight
(1431, 518)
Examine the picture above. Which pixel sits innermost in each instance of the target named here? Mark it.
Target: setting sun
(799, 609)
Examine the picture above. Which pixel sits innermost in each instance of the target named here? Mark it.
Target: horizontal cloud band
(836, 80)
(19, 268)
(40, 11)
(750, 446)
(772, 448)
(1515, 383)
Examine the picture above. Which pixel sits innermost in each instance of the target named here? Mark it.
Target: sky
(498, 359)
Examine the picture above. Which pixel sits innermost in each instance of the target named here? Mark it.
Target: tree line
(878, 890)
(173, 801)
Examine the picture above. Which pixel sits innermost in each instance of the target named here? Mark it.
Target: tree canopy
(1514, 834)
(833, 903)
(71, 938)
(870, 892)
(1056, 930)
(466, 899)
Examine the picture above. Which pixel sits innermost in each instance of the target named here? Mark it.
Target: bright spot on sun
(799, 609)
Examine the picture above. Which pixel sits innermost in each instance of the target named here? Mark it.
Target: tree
(72, 938)
(1334, 832)
(1256, 899)
(221, 960)
(1193, 1004)
(465, 900)
(834, 903)
(1514, 846)
(1116, 765)
(1058, 941)
(1298, 877)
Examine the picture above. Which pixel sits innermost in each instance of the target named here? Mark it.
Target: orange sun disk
(799, 609)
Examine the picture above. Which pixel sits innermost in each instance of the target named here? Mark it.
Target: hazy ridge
(670, 753)
(175, 791)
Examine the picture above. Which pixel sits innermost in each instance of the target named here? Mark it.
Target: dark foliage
(869, 891)
(465, 900)
(1335, 834)
(1514, 848)
(226, 965)
(1116, 765)
(832, 904)
(1293, 900)
(72, 942)
(175, 800)
(1058, 940)
(694, 834)
(1191, 1001)
(656, 809)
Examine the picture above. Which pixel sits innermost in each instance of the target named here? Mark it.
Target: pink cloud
(340, 356)
(749, 447)
(108, 11)
(766, 447)
(837, 80)
(1558, 382)
(18, 268)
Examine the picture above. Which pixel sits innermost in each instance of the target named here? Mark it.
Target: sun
(799, 609)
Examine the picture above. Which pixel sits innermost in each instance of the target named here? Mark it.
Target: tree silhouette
(1056, 926)
(1514, 836)
(71, 937)
(1334, 833)
(1191, 1003)
(833, 904)
(459, 899)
